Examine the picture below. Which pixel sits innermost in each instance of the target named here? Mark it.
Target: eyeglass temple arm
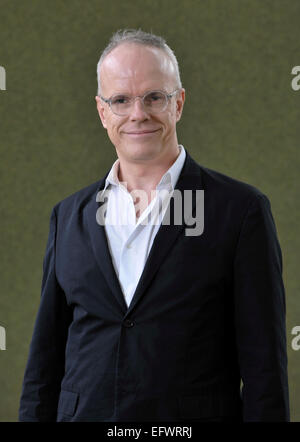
(172, 93)
(104, 99)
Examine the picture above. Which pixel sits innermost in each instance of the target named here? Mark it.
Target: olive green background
(241, 117)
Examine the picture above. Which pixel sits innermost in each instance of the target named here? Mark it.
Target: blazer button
(128, 323)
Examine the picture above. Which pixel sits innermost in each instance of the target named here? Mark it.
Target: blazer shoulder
(229, 187)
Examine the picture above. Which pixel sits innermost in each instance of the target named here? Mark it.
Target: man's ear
(101, 111)
(180, 98)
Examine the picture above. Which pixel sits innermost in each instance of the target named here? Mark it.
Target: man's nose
(137, 111)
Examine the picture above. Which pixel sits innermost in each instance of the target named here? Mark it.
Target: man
(150, 321)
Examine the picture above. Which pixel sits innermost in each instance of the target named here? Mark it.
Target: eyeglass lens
(153, 101)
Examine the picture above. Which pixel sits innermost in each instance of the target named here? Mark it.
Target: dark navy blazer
(208, 312)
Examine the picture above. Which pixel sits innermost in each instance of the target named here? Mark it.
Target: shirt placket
(130, 266)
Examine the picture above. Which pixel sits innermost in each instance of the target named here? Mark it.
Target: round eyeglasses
(153, 102)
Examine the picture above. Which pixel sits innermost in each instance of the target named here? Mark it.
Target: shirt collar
(170, 177)
(172, 174)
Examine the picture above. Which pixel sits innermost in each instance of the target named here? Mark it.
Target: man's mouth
(141, 132)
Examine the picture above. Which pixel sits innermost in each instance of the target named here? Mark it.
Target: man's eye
(120, 100)
(154, 97)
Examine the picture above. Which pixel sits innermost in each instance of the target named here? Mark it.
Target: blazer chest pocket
(67, 402)
(209, 406)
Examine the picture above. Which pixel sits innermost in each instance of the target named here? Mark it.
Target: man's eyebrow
(143, 93)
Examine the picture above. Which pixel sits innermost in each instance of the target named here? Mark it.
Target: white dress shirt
(130, 240)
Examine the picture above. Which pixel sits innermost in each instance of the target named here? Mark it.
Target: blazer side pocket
(67, 402)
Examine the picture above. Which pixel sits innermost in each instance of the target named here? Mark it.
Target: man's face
(133, 69)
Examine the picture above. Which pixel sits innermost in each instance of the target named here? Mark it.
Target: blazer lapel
(101, 249)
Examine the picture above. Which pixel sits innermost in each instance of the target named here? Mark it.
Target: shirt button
(128, 246)
(128, 323)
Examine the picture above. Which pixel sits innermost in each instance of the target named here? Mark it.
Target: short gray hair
(139, 37)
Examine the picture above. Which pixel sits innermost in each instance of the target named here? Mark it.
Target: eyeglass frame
(168, 96)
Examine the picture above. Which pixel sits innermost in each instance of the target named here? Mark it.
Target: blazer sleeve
(260, 317)
(45, 364)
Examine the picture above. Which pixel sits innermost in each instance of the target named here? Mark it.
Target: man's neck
(146, 175)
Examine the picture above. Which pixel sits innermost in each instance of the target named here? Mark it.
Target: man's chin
(140, 153)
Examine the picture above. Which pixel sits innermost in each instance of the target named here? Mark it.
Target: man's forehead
(129, 59)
